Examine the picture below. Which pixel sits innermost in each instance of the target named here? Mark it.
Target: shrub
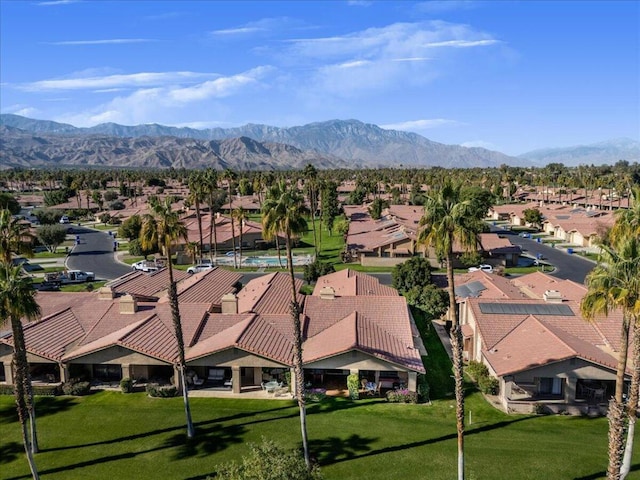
(269, 461)
(126, 385)
(402, 396)
(76, 388)
(423, 388)
(167, 391)
(353, 384)
(110, 195)
(117, 205)
(315, 395)
(489, 385)
(105, 218)
(477, 370)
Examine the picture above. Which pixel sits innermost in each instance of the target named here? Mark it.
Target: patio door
(551, 386)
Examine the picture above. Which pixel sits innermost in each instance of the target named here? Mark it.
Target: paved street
(95, 254)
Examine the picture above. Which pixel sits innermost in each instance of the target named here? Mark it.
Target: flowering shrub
(402, 396)
(315, 394)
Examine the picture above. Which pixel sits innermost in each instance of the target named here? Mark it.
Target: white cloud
(201, 125)
(463, 43)
(264, 25)
(354, 64)
(56, 2)
(22, 110)
(142, 79)
(163, 103)
(109, 41)
(424, 124)
(414, 59)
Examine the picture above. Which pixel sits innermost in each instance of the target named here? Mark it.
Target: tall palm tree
(164, 227)
(214, 198)
(240, 215)
(615, 284)
(197, 191)
(449, 220)
(286, 214)
(230, 176)
(17, 301)
(311, 179)
(15, 237)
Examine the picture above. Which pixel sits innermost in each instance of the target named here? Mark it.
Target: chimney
(552, 296)
(105, 293)
(327, 293)
(128, 305)
(229, 303)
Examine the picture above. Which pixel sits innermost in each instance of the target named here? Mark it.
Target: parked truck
(69, 276)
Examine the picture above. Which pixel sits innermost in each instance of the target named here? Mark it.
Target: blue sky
(509, 76)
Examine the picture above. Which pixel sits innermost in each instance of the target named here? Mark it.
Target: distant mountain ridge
(596, 153)
(20, 148)
(358, 143)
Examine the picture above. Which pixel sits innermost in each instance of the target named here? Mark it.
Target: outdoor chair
(371, 388)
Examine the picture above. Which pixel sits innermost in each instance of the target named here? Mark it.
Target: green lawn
(113, 435)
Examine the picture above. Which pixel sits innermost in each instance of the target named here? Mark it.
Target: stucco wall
(119, 356)
(352, 361)
(234, 357)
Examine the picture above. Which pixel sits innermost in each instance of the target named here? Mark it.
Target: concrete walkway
(438, 325)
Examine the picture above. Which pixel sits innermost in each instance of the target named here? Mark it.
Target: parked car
(524, 235)
(145, 266)
(70, 276)
(200, 266)
(64, 219)
(484, 268)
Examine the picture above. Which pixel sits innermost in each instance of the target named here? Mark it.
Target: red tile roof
(208, 286)
(269, 294)
(349, 282)
(142, 284)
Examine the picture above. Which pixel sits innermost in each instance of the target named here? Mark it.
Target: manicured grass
(113, 435)
(82, 287)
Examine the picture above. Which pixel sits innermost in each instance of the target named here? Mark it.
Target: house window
(550, 386)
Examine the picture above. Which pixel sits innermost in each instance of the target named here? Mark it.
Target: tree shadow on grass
(603, 473)
(334, 449)
(10, 451)
(44, 406)
(428, 441)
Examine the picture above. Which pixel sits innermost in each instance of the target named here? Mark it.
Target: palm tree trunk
(199, 218)
(616, 408)
(456, 344)
(21, 369)
(175, 314)
(313, 220)
(633, 403)
(297, 358)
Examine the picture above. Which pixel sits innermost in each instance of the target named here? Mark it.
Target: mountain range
(28, 142)
(596, 153)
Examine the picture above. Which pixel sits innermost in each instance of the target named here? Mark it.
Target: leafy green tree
(376, 207)
(480, 199)
(317, 269)
(430, 299)
(329, 204)
(286, 214)
(110, 196)
(17, 301)
(447, 220)
(130, 228)
(164, 227)
(8, 201)
(533, 216)
(269, 461)
(415, 272)
(47, 217)
(51, 236)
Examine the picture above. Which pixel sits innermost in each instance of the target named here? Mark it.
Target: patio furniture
(371, 388)
(271, 386)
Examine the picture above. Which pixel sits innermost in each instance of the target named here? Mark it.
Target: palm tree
(230, 176)
(164, 227)
(196, 195)
(311, 178)
(615, 284)
(15, 237)
(17, 301)
(240, 214)
(448, 220)
(215, 199)
(286, 214)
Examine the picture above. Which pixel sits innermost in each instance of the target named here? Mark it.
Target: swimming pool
(267, 261)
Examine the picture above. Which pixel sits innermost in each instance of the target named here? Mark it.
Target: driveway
(95, 254)
(567, 267)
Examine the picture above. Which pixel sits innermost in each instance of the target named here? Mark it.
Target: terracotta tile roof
(222, 339)
(270, 336)
(535, 284)
(152, 337)
(485, 285)
(142, 284)
(389, 314)
(208, 286)
(113, 321)
(269, 294)
(350, 282)
(50, 338)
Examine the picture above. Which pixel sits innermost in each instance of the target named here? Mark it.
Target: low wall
(382, 261)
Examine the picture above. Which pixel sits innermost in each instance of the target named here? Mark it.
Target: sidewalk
(438, 325)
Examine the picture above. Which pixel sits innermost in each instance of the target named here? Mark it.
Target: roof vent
(128, 305)
(552, 296)
(327, 293)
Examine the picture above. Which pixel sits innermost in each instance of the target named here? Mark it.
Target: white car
(484, 268)
(145, 266)
(64, 219)
(200, 267)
